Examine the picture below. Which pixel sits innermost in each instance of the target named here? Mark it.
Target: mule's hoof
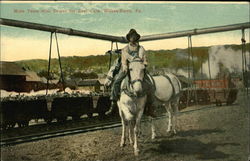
(139, 134)
(170, 133)
(153, 136)
(122, 145)
(137, 152)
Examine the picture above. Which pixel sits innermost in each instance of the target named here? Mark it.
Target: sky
(146, 17)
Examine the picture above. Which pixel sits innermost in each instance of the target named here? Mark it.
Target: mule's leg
(174, 124)
(123, 138)
(130, 132)
(169, 121)
(153, 128)
(136, 149)
(139, 130)
(168, 109)
(136, 127)
(175, 111)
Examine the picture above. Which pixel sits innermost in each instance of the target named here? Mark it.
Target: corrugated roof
(11, 68)
(32, 76)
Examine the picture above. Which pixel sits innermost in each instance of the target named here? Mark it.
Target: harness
(109, 77)
(147, 81)
(172, 85)
(136, 80)
(127, 89)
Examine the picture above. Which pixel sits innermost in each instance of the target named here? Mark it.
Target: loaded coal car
(21, 115)
(21, 110)
(14, 112)
(39, 108)
(62, 107)
(189, 97)
(220, 91)
(220, 96)
(215, 91)
(8, 114)
(103, 105)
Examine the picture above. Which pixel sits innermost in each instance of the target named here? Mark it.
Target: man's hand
(108, 81)
(106, 84)
(125, 70)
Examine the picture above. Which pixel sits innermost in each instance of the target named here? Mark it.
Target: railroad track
(100, 126)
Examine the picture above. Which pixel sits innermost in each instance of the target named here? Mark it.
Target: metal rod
(192, 56)
(50, 47)
(110, 54)
(196, 32)
(60, 64)
(121, 39)
(209, 70)
(188, 92)
(116, 45)
(201, 73)
(244, 62)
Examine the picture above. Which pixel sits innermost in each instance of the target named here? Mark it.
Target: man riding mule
(136, 89)
(133, 98)
(131, 51)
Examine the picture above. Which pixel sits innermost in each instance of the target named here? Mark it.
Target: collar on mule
(148, 81)
(131, 94)
(137, 80)
(127, 89)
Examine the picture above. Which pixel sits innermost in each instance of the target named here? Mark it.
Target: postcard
(124, 80)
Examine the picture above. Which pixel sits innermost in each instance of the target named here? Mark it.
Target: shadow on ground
(192, 147)
(198, 132)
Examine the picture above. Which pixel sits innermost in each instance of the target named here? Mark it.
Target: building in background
(92, 85)
(14, 77)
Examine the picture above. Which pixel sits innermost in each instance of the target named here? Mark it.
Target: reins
(128, 90)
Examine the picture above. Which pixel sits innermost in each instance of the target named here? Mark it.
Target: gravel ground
(218, 134)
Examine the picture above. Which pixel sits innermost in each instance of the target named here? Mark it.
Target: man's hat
(133, 32)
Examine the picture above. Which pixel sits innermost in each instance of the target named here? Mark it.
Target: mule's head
(136, 71)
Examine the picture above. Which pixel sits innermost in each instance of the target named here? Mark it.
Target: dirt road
(218, 134)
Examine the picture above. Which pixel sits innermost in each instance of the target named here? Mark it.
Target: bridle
(134, 81)
(127, 90)
(136, 59)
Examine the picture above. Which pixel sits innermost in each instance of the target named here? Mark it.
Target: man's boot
(111, 111)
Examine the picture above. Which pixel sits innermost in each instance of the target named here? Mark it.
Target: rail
(72, 131)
